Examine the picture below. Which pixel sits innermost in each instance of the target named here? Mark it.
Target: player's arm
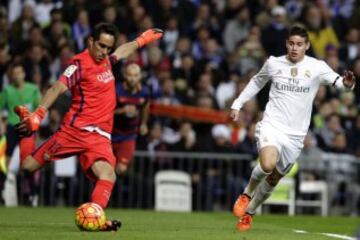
(348, 80)
(52, 94)
(328, 76)
(126, 109)
(126, 49)
(144, 118)
(255, 84)
(32, 122)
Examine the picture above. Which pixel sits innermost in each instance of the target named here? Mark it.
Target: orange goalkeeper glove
(149, 36)
(35, 118)
(30, 122)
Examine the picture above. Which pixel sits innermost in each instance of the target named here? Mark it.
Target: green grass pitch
(58, 223)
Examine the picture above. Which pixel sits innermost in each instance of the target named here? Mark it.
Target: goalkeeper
(86, 127)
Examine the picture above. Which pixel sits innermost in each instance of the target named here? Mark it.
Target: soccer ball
(90, 217)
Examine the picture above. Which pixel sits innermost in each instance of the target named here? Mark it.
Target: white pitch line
(338, 236)
(300, 231)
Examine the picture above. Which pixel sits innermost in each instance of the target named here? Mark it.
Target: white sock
(262, 193)
(257, 176)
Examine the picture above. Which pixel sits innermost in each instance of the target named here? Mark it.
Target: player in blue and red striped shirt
(130, 117)
(86, 128)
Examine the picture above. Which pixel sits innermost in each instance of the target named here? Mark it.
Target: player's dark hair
(299, 31)
(107, 28)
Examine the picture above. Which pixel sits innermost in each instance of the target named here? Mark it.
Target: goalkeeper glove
(30, 122)
(149, 36)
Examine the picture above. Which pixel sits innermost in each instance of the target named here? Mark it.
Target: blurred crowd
(210, 50)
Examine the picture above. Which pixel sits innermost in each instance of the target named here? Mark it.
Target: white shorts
(289, 146)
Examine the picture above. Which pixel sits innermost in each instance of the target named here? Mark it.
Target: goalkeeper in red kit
(86, 128)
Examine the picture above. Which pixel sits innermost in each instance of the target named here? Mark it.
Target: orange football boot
(241, 205)
(244, 223)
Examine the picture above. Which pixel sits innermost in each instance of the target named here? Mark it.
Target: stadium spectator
(80, 30)
(226, 90)
(42, 11)
(171, 35)
(17, 6)
(331, 128)
(321, 33)
(250, 54)
(37, 66)
(236, 30)
(274, 35)
(5, 59)
(4, 26)
(57, 16)
(339, 144)
(20, 28)
(186, 138)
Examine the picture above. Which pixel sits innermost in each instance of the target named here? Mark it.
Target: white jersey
(293, 89)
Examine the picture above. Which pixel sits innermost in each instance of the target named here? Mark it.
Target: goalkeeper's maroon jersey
(92, 86)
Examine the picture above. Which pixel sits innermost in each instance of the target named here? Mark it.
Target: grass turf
(58, 223)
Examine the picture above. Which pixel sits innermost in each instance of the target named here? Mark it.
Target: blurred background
(209, 51)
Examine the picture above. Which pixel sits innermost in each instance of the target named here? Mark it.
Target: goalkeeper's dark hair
(107, 28)
(299, 31)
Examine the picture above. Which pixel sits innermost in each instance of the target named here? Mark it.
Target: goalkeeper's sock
(27, 146)
(262, 193)
(102, 191)
(257, 176)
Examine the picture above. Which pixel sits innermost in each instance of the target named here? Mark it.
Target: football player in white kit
(295, 79)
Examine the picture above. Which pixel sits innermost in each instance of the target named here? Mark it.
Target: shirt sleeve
(255, 84)
(329, 77)
(72, 74)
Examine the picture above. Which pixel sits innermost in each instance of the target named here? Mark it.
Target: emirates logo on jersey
(105, 77)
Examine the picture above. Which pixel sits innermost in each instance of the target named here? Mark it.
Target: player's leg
(105, 174)
(269, 145)
(98, 163)
(269, 148)
(268, 157)
(124, 152)
(106, 177)
(264, 191)
(291, 148)
(30, 164)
